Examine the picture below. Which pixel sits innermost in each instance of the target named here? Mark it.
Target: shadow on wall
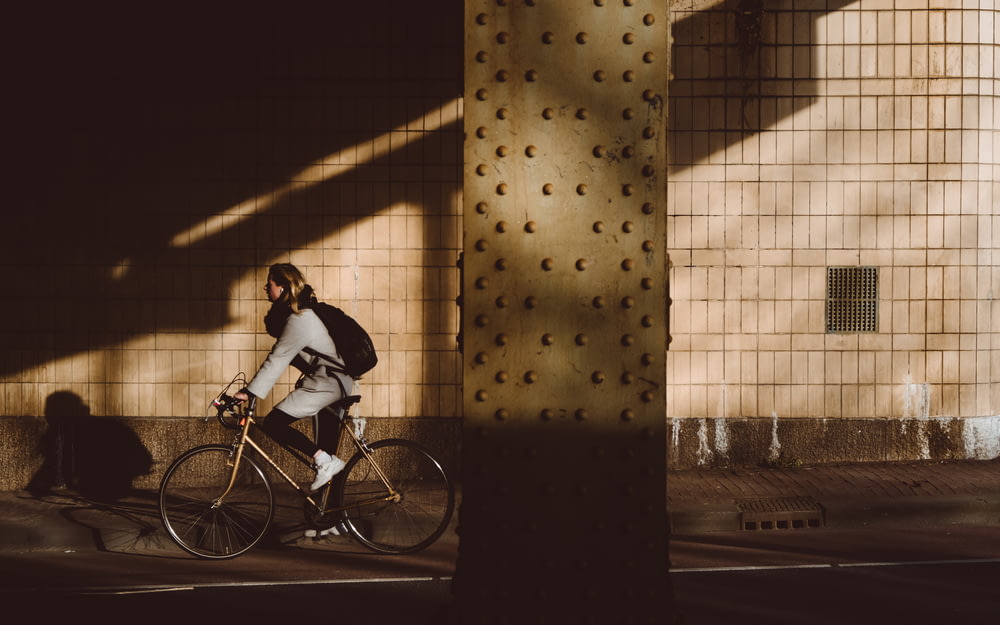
(132, 131)
(96, 457)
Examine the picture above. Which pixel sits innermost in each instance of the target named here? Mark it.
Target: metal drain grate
(851, 299)
(777, 513)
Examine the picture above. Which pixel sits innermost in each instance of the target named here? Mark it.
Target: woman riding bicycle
(296, 327)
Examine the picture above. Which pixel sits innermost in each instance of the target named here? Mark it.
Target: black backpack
(353, 343)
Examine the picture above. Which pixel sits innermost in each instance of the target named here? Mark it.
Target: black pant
(278, 425)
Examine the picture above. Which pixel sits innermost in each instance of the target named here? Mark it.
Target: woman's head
(286, 284)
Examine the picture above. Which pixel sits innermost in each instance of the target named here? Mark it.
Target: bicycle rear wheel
(415, 517)
(199, 523)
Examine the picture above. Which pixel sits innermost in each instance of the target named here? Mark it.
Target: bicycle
(216, 501)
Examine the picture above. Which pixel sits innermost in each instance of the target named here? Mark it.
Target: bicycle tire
(420, 515)
(190, 515)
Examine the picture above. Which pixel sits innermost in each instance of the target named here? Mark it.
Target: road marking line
(832, 565)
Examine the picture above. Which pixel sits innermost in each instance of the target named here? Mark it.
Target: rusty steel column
(564, 313)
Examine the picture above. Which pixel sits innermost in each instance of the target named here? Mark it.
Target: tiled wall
(849, 134)
(151, 190)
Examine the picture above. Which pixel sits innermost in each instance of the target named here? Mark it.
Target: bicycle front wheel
(197, 515)
(410, 516)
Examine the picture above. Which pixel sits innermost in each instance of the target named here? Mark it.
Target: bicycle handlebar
(224, 404)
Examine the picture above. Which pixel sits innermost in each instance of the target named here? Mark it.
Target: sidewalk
(700, 501)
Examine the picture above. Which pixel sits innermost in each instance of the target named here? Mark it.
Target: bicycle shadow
(89, 464)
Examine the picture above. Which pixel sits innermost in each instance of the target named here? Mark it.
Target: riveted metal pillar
(564, 304)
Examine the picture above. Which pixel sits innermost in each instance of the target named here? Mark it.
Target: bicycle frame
(360, 443)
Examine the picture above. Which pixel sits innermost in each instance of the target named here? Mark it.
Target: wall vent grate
(851, 299)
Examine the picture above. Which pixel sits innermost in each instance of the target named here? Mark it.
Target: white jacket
(315, 390)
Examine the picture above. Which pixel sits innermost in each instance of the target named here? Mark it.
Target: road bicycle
(216, 501)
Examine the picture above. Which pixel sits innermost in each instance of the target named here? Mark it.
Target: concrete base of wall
(725, 442)
(109, 455)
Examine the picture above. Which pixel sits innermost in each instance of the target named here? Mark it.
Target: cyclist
(296, 327)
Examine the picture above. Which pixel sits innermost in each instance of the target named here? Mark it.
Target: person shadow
(98, 458)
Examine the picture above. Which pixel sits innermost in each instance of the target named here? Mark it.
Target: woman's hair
(297, 294)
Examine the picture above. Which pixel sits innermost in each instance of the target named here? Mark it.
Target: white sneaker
(325, 472)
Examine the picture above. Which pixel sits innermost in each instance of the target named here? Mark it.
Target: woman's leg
(278, 425)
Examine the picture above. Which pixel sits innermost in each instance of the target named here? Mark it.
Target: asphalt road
(935, 575)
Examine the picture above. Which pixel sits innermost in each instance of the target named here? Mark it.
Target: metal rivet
(482, 56)
(597, 377)
(600, 75)
(628, 377)
(531, 75)
(628, 38)
(482, 395)
(648, 19)
(647, 396)
(501, 376)
(648, 57)
(502, 302)
(547, 37)
(581, 38)
(627, 190)
(628, 264)
(581, 264)
(502, 75)
(647, 321)
(482, 358)
(482, 94)
(599, 151)
(648, 208)
(581, 339)
(531, 302)
(503, 151)
(482, 170)
(648, 171)
(582, 114)
(628, 226)
(482, 207)
(502, 188)
(503, 37)
(648, 132)
(628, 114)
(581, 189)
(548, 264)
(580, 414)
(530, 227)
(628, 76)
(647, 246)
(481, 19)
(627, 339)
(531, 151)
(546, 414)
(547, 188)
(648, 95)
(628, 151)
(482, 283)
(598, 226)
(501, 414)
(501, 227)
(531, 377)
(628, 301)
(501, 339)
(548, 113)
(481, 132)
(500, 264)
(627, 415)
(646, 283)
(502, 113)
(548, 339)
(598, 302)
(647, 359)
(482, 245)
(482, 321)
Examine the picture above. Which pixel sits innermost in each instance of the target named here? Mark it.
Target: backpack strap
(337, 366)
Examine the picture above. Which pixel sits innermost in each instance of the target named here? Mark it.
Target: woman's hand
(241, 396)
